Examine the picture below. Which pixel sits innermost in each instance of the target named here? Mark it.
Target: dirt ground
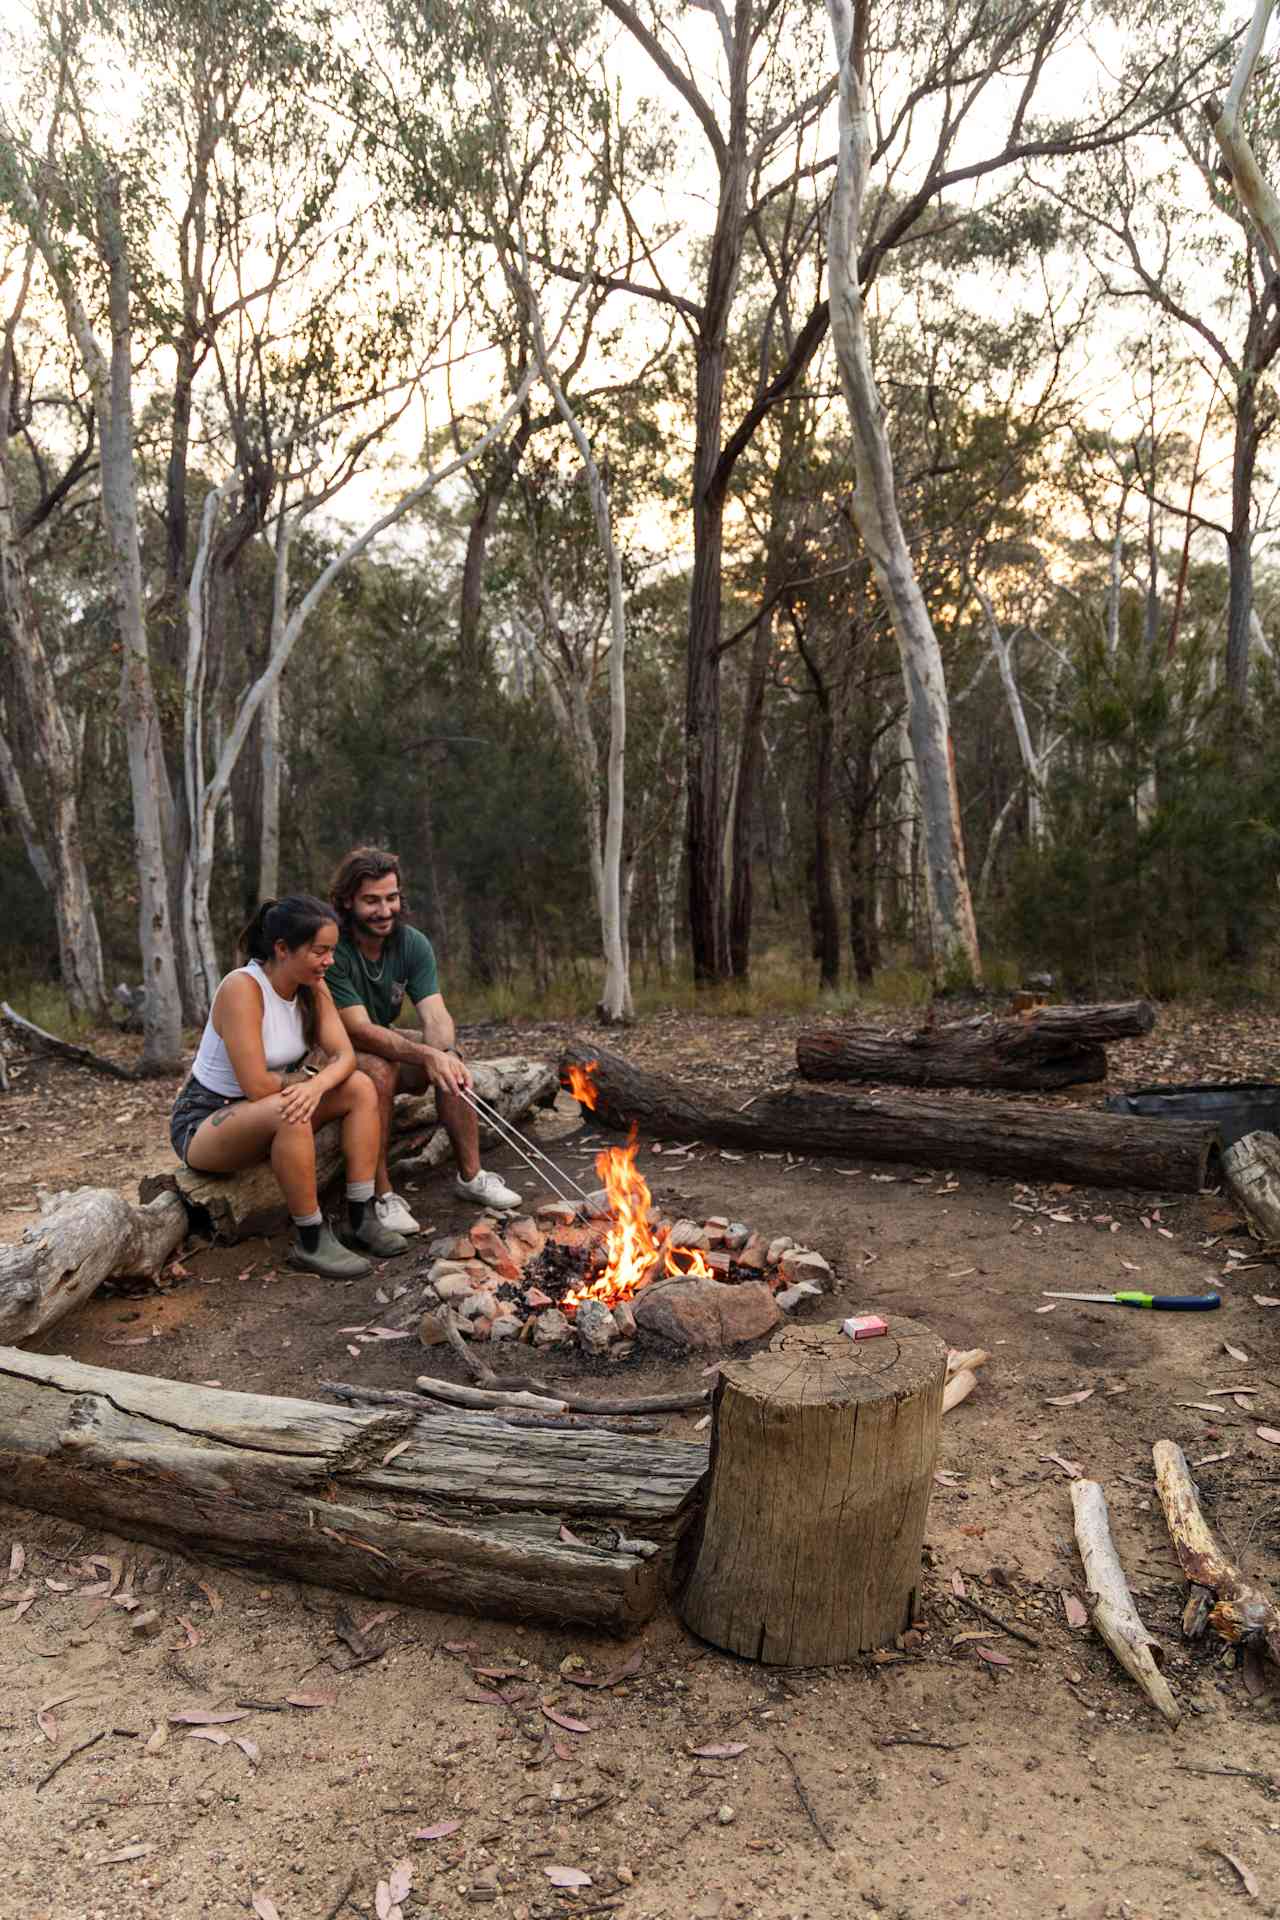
(930, 1782)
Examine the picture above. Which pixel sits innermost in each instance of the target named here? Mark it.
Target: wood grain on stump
(822, 1458)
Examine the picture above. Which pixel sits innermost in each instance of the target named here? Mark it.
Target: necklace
(368, 970)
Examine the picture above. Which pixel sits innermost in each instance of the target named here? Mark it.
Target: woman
(250, 1098)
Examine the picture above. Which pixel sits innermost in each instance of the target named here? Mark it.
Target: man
(378, 960)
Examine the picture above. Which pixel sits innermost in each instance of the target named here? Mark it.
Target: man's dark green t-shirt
(408, 965)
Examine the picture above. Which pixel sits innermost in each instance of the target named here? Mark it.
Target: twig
(474, 1365)
(914, 1740)
(58, 1765)
(805, 1802)
(993, 1619)
(343, 1898)
(1238, 1773)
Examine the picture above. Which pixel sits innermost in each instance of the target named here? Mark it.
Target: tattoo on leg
(216, 1119)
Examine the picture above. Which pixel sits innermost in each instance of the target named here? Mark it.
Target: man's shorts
(191, 1108)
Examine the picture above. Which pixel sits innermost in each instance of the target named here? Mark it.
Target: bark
(57, 854)
(148, 780)
(80, 1240)
(269, 828)
(822, 1451)
(1243, 1613)
(472, 659)
(1253, 191)
(1111, 1608)
(667, 877)
(468, 1517)
(1252, 1168)
(875, 511)
(1055, 1047)
(1004, 1137)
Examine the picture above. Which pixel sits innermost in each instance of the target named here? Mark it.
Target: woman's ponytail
(255, 941)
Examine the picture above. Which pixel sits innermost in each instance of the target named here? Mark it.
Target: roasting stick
(518, 1143)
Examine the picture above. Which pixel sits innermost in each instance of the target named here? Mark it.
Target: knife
(1170, 1302)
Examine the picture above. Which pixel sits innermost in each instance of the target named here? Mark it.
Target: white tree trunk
(1032, 765)
(1253, 190)
(59, 864)
(667, 877)
(875, 512)
(269, 836)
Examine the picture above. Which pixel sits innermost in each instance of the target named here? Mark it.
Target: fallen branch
(993, 1619)
(62, 1049)
(80, 1240)
(959, 1387)
(970, 1359)
(58, 1765)
(460, 1396)
(352, 1396)
(804, 1799)
(1242, 1612)
(1110, 1602)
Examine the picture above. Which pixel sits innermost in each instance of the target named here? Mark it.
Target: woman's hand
(298, 1103)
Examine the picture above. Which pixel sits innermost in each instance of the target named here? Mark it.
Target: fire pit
(597, 1273)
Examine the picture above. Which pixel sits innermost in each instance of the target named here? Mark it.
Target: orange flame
(632, 1252)
(581, 1085)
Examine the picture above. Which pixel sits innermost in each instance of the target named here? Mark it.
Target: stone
(441, 1248)
(550, 1327)
(598, 1202)
(463, 1248)
(431, 1330)
(688, 1233)
(517, 1252)
(802, 1263)
(595, 1326)
(492, 1249)
(504, 1328)
(624, 1320)
(455, 1286)
(789, 1298)
(443, 1267)
(479, 1329)
(527, 1235)
(716, 1220)
(752, 1252)
(719, 1262)
(778, 1247)
(715, 1236)
(737, 1234)
(556, 1213)
(480, 1274)
(535, 1297)
(478, 1306)
(706, 1313)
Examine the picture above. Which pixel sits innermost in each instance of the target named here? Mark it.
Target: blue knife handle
(1187, 1302)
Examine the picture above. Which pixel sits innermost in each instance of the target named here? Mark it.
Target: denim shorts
(191, 1108)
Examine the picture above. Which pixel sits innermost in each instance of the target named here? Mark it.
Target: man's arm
(442, 1069)
(440, 1035)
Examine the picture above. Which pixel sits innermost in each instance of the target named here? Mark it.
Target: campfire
(599, 1271)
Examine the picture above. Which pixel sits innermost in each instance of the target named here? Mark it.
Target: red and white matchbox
(864, 1326)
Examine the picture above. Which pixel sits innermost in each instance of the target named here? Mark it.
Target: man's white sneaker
(487, 1190)
(394, 1215)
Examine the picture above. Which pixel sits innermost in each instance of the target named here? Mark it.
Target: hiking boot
(331, 1259)
(373, 1238)
(394, 1214)
(487, 1190)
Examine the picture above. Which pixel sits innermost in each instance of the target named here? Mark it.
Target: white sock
(359, 1189)
(315, 1219)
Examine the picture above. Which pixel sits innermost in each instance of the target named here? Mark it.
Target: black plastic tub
(1245, 1106)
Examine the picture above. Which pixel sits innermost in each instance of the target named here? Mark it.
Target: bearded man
(379, 960)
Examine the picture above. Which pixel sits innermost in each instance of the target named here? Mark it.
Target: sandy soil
(927, 1783)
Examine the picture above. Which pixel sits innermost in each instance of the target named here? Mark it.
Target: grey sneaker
(487, 1190)
(331, 1259)
(373, 1238)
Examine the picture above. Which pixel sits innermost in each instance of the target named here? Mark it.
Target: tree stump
(822, 1456)
(1252, 1169)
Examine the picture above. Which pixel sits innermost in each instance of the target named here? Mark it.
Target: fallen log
(514, 1085)
(1052, 1047)
(993, 1136)
(468, 1515)
(43, 1042)
(238, 1206)
(1115, 1618)
(1251, 1166)
(1242, 1612)
(80, 1240)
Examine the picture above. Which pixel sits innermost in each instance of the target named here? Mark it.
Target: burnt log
(237, 1206)
(1005, 1137)
(469, 1515)
(1049, 1048)
(80, 1240)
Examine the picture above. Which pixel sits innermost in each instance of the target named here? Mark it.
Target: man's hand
(298, 1103)
(445, 1070)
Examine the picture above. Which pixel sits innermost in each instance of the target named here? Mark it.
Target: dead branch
(1110, 1602)
(1243, 1613)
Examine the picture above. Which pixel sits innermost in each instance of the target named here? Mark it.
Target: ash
(558, 1268)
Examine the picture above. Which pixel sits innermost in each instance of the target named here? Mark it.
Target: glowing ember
(631, 1251)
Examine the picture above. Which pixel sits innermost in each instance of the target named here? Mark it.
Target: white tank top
(283, 1040)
